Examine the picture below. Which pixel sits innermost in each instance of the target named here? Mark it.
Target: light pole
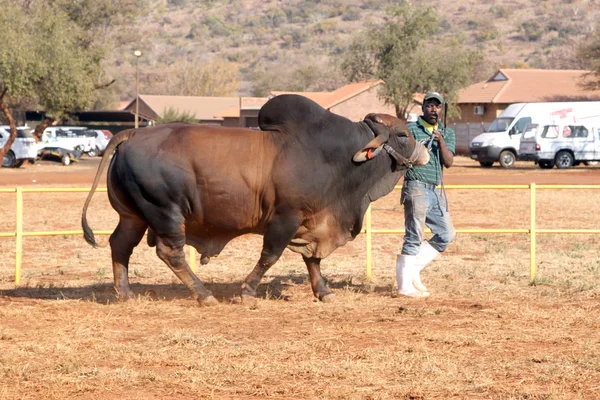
(137, 55)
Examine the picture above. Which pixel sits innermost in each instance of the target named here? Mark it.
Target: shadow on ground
(224, 292)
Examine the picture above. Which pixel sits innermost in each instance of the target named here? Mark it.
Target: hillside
(273, 40)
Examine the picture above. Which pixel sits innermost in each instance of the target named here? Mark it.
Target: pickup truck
(561, 145)
(72, 139)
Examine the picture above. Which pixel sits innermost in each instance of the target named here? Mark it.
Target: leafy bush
(487, 32)
(531, 30)
(273, 18)
(177, 3)
(326, 26)
(500, 12)
(294, 38)
(173, 115)
(472, 24)
(217, 26)
(351, 14)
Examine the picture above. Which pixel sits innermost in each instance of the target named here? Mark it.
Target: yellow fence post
(193, 259)
(369, 249)
(532, 266)
(19, 233)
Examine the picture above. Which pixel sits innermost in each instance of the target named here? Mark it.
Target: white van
(502, 140)
(563, 145)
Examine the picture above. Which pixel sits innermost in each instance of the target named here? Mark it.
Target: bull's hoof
(247, 292)
(327, 297)
(208, 301)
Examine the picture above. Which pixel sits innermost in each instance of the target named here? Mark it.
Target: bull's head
(392, 136)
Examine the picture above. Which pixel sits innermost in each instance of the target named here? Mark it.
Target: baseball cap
(432, 96)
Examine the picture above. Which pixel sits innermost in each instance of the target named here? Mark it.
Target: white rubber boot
(406, 270)
(426, 254)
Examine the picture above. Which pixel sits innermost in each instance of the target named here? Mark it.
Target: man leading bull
(423, 203)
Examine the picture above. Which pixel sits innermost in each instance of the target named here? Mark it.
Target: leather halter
(400, 159)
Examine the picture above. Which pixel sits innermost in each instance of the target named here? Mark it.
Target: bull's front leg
(279, 233)
(319, 287)
(170, 250)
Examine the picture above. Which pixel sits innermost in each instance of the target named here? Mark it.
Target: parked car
(69, 138)
(562, 145)
(102, 137)
(23, 148)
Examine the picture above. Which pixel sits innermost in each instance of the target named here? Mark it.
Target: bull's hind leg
(279, 233)
(319, 287)
(170, 250)
(127, 235)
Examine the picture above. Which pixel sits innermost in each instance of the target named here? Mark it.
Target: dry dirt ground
(485, 333)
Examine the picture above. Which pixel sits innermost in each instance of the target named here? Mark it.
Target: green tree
(52, 54)
(173, 115)
(589, 52)
(41, 61)
(107, 27)
(17, 71)
(195, 78)
(401, 53)
(295, 74)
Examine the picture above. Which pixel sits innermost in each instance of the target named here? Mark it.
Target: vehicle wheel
(590, 163)
(66, 160)
(9, 160)
(545, 164)
(507, 159)
(78, 148)
(563, 160)
(486, 164)
(94, 152)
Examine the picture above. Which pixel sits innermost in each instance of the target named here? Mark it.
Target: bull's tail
(116, 140)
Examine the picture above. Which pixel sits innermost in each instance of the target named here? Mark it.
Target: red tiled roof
(204, 108)
(330, 99)
(527, 85)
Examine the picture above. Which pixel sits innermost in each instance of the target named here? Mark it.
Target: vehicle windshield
(500, 125)
(24, 133)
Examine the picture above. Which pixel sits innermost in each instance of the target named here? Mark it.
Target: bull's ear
(374, 147)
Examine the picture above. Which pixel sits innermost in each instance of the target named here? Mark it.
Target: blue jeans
(424, 206)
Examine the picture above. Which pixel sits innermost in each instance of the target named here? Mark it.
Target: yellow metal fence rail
(19, 233)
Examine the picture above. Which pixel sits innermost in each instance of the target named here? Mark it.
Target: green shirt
(430, 172)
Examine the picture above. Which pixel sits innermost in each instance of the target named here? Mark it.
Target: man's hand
(447, 158)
